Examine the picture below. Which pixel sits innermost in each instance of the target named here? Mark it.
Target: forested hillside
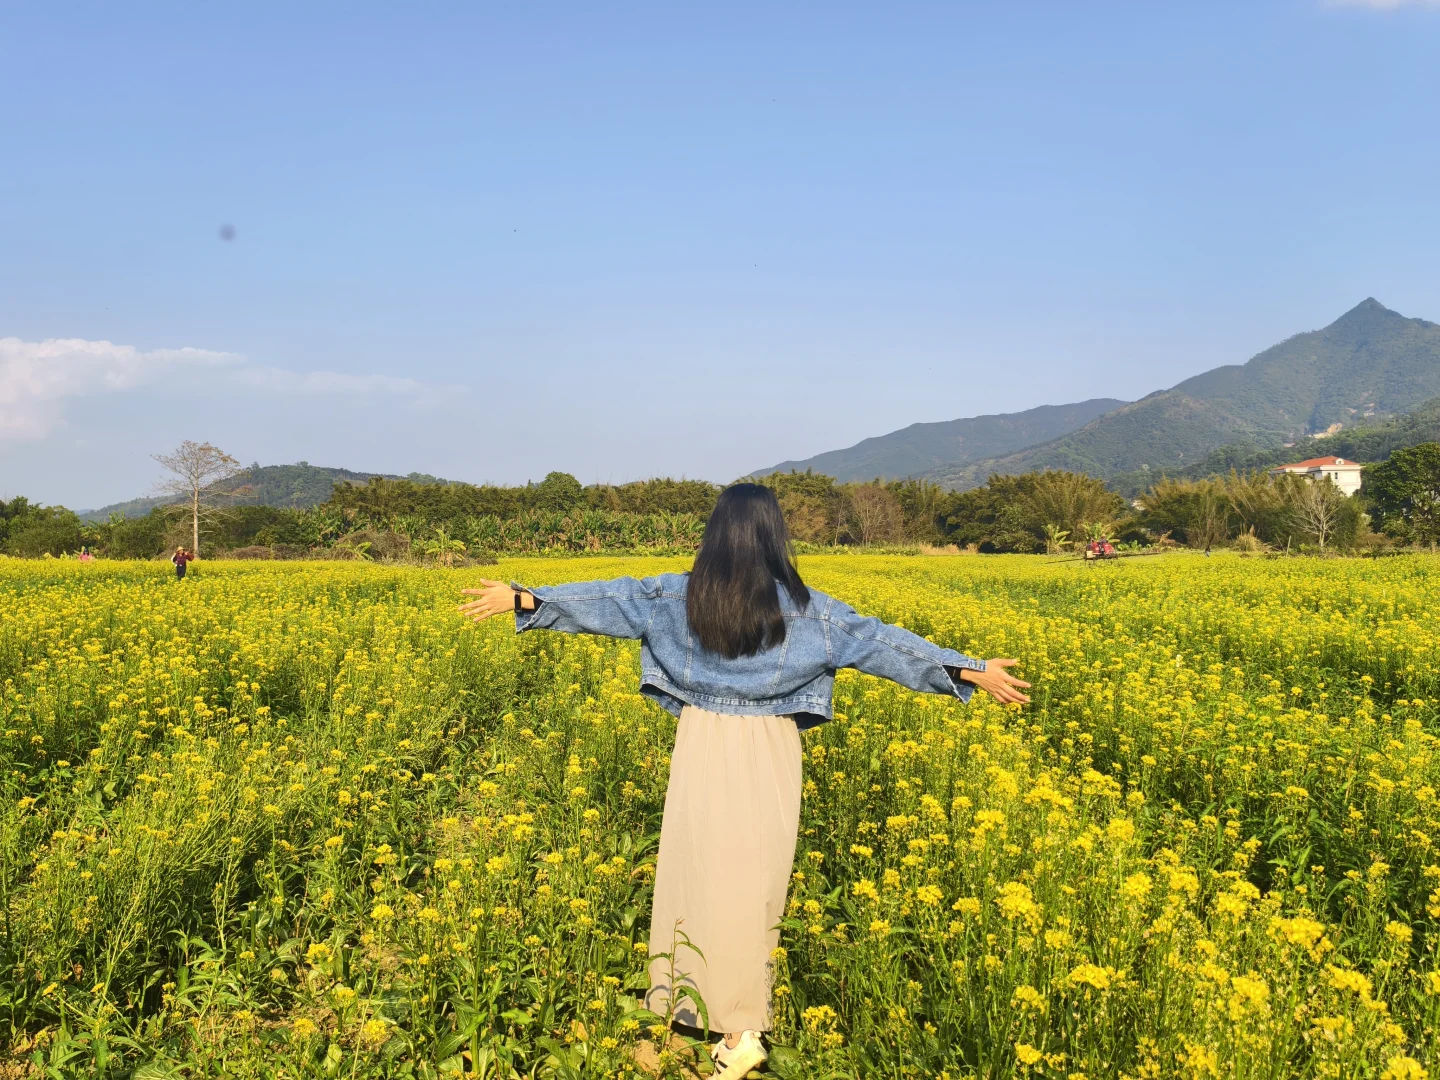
(921, 447)
(1370, 363)
(1365, 443)
(296, 486)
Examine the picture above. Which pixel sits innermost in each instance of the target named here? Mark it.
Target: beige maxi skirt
(727, 847)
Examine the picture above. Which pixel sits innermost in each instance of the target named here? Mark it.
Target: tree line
(1030, 513)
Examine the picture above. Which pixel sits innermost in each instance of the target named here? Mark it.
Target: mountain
(1364, 443)
(1370, 363)
(299, 485)
(921, 447)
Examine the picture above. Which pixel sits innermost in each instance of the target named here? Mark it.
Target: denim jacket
(794, 678)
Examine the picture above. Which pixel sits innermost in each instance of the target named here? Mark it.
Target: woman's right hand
(997, 682)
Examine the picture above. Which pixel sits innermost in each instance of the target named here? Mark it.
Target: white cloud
(1383, 5)
(37, 378)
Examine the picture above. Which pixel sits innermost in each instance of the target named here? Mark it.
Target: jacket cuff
(963, 690)
(525, 620)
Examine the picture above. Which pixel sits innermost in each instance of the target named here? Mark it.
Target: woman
(745, 654)
(180, 558)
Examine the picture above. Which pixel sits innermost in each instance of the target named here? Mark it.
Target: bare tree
(1317, 508)
(875, 513)
(198, 469)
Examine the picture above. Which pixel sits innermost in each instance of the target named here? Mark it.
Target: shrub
(51, 532)
(383, 544)
(1247, 543)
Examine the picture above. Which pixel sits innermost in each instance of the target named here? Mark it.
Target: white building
(1345, 474)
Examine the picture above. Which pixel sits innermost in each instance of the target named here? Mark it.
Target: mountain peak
(1367, 308)
(1371, 358)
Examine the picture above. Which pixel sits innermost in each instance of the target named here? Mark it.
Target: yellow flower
(1120, 830)
(1015, 901)
(1347, 979)
(1136, 887)
(1092, 975)
(1250, 993)
(374, 1033)
(1184, 880)
(1399, 932)
(1302, 931)
(1403, 1067)
(303, 1028)
(866, 888)
(381, 912)
(818, 1019)
(1027, 997)
(1027, 1054)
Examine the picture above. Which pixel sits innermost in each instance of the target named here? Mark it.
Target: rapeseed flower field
(301, 820)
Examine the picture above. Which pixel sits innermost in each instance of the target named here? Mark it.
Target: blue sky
(486, 241)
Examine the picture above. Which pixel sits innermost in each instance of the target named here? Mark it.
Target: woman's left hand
(495, 598)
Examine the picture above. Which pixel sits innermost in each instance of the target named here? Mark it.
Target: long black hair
(732, 602)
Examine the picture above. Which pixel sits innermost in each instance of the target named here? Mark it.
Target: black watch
(517, 602)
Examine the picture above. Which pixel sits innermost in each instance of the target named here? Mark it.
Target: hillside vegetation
(921, 447)
(296, 486)
(1367, 443)
(1371, 362)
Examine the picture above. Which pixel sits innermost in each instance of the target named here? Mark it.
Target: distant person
(85, 555)
(180, 558)
(745, 655)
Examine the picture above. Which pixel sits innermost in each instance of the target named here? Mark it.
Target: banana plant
(443, 547)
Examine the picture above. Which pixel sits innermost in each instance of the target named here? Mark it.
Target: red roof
(1320, 463)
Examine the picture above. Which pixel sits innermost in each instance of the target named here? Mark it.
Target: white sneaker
(733, 1062)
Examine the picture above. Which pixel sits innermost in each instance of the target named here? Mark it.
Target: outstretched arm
(621, 608)
(892, 652)
(494, 598)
